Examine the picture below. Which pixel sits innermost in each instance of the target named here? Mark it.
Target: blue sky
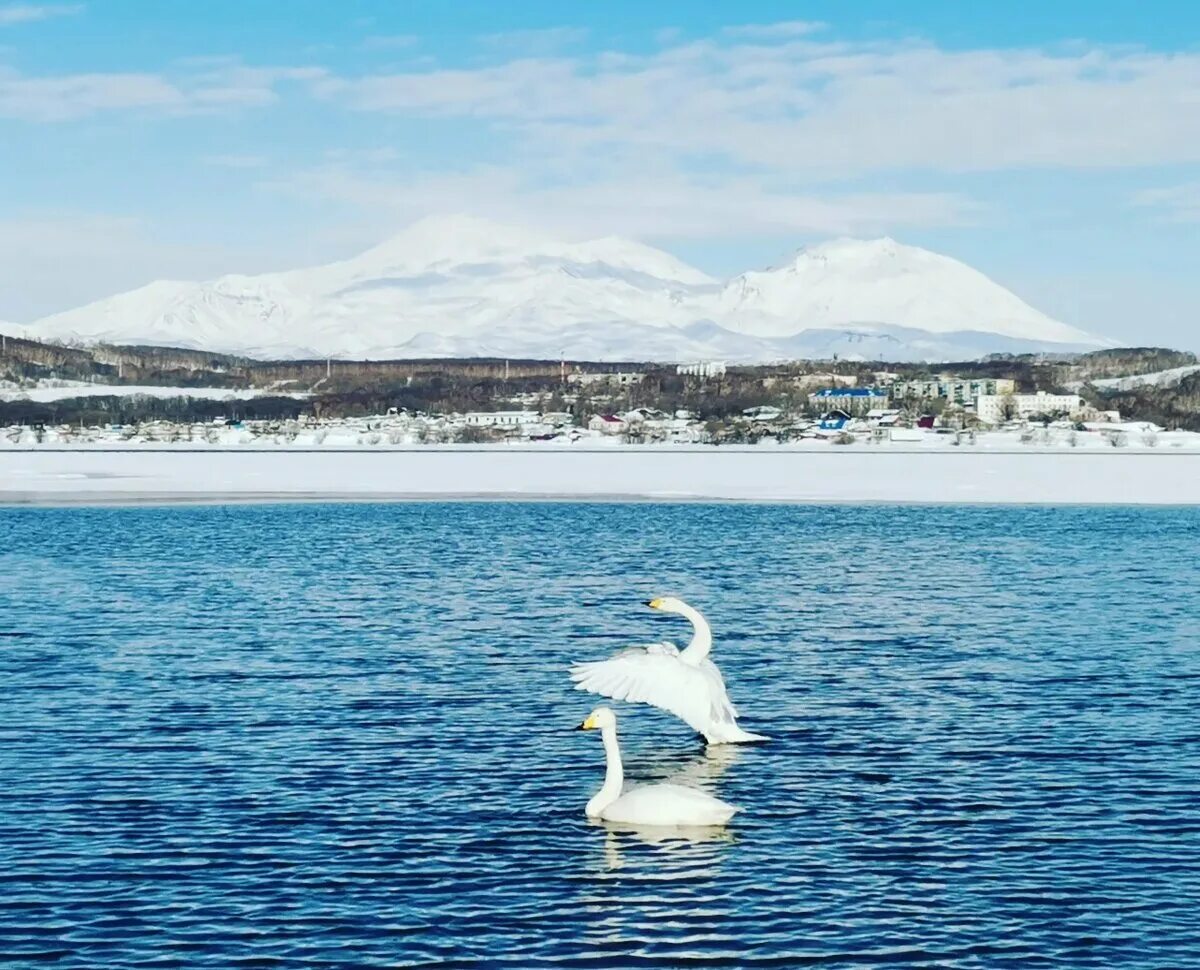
(1057, 150)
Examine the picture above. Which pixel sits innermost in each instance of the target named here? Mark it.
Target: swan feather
(656, 674)
(668, 804)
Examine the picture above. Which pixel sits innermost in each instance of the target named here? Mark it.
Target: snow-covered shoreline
(827, 475)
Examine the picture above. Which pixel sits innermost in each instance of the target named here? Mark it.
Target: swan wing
(723, 711)
(654, 675)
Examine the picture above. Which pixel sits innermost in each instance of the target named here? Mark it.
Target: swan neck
(701, 644)
(614, 774)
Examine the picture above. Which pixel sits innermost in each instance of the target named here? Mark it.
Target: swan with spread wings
(684, 682)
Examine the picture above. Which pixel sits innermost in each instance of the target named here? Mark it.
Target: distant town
(96, 396)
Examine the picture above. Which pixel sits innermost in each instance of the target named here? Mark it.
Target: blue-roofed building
(852, 400)
(834, 421)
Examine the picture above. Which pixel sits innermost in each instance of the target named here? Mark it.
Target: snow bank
(762, 474)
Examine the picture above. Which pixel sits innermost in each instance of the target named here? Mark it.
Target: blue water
(341, 736)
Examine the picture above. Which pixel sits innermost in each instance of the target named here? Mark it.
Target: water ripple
(331, 736)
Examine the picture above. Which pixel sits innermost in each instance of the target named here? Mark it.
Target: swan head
(667, 604)
(600, 718)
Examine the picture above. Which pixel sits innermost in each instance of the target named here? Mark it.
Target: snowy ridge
(460, 286)
(881, 281)
(1161, 378)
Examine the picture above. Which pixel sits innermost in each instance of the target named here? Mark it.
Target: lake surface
(342, 735)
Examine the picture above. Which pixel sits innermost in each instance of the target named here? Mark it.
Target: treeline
(354, 388)
(22, 359)
(139, 408)
(1120, 362)
(1175, 408)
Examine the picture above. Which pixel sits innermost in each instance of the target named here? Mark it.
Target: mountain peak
(453, 237)
(459, 285)
(868, 282)
(849, 248)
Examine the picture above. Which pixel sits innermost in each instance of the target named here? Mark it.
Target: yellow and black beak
(655, 604)
(589, 724)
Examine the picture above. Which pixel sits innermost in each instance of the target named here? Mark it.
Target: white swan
(650, 805)
(686, 683)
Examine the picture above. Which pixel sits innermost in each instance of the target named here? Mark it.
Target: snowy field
(828, 474)
(46, 392)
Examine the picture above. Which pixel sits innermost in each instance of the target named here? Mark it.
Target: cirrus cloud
(828, 108)
(27, 13)
(1174, 203)
(213, 87)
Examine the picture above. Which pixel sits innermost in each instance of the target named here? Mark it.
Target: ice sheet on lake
(776, 474)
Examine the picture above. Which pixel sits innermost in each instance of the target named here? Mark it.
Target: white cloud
(78, 95)
(648, 204)
(1175, 203)
(759, 131)
(782, 29)
(206, 87)
(767, 98)
(26, 13)
(236, 161)
(542, 40)
(829, 109)
(390, 41)
(54, 261)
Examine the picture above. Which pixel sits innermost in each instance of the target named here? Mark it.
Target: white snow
(62, 390)
(1161, 378)
(458, 286)
(851, 281)
(828, 474)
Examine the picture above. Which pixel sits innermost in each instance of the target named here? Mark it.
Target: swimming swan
(686, 683)
(650, 805)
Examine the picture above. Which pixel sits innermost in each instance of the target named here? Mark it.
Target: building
(702, 368)
(806, 381)
(835, 420)
(501, 419)
(607, 424)
(616, 378)
(642, 415)
(957, 390)
(997, 408)
(558, 418)
(852, 400)
(763, 412)
(883, 417)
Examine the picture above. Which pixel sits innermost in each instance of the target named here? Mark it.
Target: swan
(686, 682)
(650, 805)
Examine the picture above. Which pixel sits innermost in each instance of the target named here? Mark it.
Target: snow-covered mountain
(880, 281)
(460, 286)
